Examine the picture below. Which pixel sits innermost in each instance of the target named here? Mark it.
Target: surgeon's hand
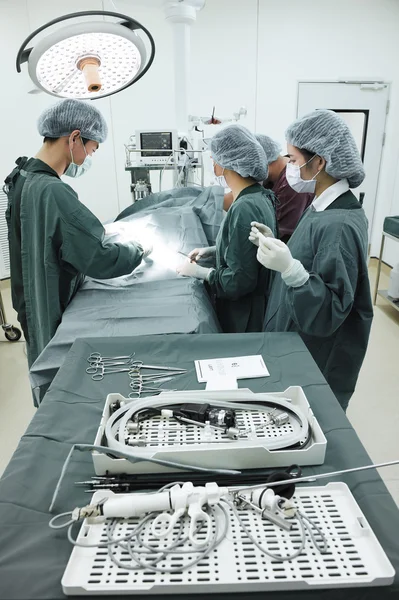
(200, 253)
(147, 248)
(257, 228)
(274, 254)
(146, 245)
(191, 269)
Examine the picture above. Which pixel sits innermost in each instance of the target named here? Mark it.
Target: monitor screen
(155, 142)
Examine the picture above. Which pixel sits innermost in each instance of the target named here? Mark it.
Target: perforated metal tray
(184, 444)
(354, 559)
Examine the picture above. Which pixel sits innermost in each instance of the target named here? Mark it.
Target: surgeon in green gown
(237, 282)
(322, 287)
(54, 239)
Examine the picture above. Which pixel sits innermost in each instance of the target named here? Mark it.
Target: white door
(364, 106)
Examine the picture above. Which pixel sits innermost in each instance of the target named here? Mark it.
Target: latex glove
(147, 248)
(274, 254)
(200, 253)
(257, 228)
(296, 275)
(191, 269)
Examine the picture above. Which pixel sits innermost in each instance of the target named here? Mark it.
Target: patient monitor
(155, 147)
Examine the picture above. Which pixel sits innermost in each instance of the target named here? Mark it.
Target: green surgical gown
(54, 241)
(239, 283)
(333, 310)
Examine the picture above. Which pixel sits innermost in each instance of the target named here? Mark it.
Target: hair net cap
(325, 133)
(237, 149)
(271, 148)
(64, 117)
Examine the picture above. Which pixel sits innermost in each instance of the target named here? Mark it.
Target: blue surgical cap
(271, 148)
(237, 149)
(325, 133)
(64, 117)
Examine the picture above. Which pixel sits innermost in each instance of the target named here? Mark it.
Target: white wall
(224, 41)
(20, 110)
(331, 40)
(150, 102)
(243, 53)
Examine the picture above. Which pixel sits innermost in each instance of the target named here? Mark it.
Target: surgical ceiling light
(88, 59)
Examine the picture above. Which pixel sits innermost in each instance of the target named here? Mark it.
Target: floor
(373, 408)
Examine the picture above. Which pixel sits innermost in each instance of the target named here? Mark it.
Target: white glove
(257, 228)
(146, 243)
(191, 269)
(147, 248)
(200, 253)
(296, 276)
(274, 254)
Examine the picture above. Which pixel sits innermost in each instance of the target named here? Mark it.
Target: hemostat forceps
(138, 364)
(98, 372)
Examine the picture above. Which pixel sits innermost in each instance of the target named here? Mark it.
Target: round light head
(62, 63)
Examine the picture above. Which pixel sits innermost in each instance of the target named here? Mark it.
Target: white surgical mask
(75, 170)
(293, 175)
(220, 180)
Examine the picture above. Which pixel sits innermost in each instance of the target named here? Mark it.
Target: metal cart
(13, 334)
(390, 231)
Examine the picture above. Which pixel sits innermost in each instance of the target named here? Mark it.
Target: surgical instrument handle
(135, 505)
(107, 371)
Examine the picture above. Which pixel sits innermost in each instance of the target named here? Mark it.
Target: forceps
(95, 357)
(140, 388)
(137, 376)
(99, 371)
(107, 367)
(136, 365)
(97, 362)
